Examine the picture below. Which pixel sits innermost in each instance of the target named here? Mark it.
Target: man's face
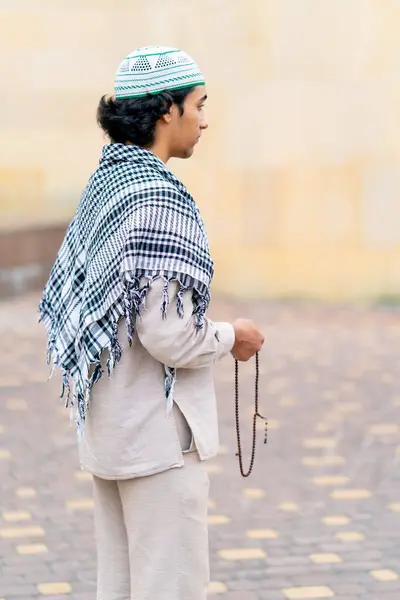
(186, 129)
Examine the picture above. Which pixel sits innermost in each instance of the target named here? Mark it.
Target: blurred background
(298, 181)
(298, 176)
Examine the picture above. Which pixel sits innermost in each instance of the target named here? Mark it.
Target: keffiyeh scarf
(135, 223)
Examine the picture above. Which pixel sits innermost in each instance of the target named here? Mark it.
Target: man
(135, 265)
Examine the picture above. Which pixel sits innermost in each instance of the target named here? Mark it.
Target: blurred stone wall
(298, 175)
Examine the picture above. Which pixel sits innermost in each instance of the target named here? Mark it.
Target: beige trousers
(151, 534)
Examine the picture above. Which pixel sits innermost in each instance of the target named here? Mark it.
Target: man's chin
(189, 153)
(186, 153)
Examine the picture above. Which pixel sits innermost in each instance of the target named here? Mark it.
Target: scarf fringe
(76, 393)
(115, 353)
(165, 300)
(169, 386)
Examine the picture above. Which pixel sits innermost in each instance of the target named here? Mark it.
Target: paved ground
(319, 518)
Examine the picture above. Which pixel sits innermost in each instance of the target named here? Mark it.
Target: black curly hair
(134, 119)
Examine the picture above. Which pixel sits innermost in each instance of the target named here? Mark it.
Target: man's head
(158, 103)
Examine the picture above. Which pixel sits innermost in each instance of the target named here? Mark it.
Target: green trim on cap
(160, 53)
(164, 82)
(180, 87)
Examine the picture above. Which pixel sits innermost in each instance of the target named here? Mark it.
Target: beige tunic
(128, 432)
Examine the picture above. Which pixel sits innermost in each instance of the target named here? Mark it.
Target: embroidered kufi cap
(155, 69)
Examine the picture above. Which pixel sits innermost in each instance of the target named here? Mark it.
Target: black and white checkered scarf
(136, 222)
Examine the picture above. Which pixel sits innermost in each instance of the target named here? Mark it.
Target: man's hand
(248, 340)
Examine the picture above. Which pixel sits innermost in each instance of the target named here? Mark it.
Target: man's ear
(167, 118)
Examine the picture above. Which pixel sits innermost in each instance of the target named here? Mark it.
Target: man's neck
(161, 152)
(158, 151)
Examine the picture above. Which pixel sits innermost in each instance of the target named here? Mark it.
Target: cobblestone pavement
(320, 516)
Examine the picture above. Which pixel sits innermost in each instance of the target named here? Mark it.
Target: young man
(135, 266)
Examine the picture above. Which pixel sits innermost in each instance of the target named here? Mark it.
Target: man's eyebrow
(203, 99)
